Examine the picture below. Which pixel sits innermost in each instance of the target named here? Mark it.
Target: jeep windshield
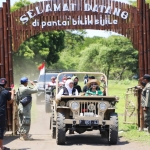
(47, 77)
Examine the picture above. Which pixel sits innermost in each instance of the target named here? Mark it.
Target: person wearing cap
(24, 112)
(75, 79)
(93, 89)
(68, 77)
(5, 96)
(145, 101)
(53, 81)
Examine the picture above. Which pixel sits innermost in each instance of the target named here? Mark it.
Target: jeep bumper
(77, 121)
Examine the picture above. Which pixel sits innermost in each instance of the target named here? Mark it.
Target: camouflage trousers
(24, 114)
(147, 118)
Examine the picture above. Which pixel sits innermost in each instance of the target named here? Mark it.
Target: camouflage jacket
(26, 91)
(145, 102)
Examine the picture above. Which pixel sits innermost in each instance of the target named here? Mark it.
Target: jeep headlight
(102, 106)
(62, 103)
(74, 105)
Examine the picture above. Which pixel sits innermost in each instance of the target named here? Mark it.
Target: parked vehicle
(42, 83)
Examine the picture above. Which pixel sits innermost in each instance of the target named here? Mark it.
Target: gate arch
(74, 14)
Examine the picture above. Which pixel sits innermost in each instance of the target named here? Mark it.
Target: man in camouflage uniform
(24, 112)
(146, 101)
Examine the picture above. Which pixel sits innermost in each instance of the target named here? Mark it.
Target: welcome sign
(91, 12)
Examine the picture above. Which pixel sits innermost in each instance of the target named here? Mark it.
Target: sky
(90, 33)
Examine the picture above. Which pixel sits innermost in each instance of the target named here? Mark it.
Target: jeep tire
(113, 129)
(47, 103)
(60, 129)
(53, 126)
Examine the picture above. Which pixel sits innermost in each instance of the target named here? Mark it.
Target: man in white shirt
(53, 81)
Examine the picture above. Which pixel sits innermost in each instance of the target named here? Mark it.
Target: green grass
(130, 131)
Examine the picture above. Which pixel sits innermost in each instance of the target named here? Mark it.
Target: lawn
(129, 131)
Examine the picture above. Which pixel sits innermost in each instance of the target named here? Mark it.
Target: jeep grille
(89, 108)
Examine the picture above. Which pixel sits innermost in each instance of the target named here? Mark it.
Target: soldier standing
(146, 101)
(5, 96)
(24, 112)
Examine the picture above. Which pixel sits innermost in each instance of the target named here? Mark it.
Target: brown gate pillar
(6, 65)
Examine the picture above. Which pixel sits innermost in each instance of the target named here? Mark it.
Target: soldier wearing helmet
(25, 111)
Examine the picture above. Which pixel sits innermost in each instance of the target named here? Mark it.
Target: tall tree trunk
(121, 74)
(108, 71)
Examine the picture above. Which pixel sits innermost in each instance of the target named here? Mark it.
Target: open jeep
(84, 113)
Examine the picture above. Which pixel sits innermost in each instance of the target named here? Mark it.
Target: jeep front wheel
(60, 129)
(53, 126)
(113, 129)
(47, 104)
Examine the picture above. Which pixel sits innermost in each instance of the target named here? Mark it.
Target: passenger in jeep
(93, 88)
(53, 81)
(75, 80)
(68, 89)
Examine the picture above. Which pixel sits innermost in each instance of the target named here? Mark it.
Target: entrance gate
(110, 15)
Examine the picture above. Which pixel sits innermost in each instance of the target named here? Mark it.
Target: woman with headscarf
(93, 88)
(68, 89)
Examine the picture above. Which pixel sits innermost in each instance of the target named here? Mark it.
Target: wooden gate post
(140, 7)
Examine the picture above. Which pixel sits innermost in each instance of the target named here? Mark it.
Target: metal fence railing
(131, 106)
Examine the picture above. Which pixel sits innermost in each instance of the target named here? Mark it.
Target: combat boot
(22, 137)
(26, 137)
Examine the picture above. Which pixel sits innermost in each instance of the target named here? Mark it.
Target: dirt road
(43, 141)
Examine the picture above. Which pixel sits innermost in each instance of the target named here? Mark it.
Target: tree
(113, 56)
(121, 55)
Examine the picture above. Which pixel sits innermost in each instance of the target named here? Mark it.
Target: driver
(93, 88)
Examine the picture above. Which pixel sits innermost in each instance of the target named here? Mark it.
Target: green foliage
(114, 56)
(19, 4)
(134, 2)
(33, 51)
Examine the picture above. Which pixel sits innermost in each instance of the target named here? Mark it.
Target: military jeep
(84, 113)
